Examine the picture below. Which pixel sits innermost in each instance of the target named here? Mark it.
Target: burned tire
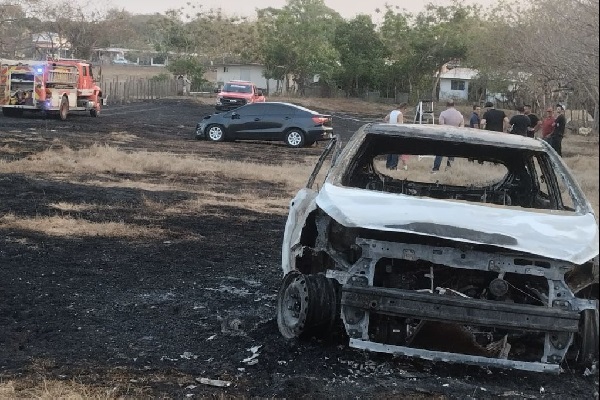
(215, 133)
(63, 110)
(307, 305)
(294, 138)
(588, 338)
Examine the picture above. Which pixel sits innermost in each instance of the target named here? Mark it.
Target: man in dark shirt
(494, 120)
(475, 120)
(560, 123)
(519, 123)
(536, 123)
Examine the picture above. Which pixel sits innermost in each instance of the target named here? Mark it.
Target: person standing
(450, 116)
(475, 123)
(475, 120)
(559, 125)
(494, 120)
(396, 116)
(536, 123)
(519, 123)
(547, 123)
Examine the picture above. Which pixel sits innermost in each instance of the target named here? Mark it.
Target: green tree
(395, 32)
(560, 50)
(16, 27)
(361, 53)
(298, 40)
(442, 34)
(190, 66)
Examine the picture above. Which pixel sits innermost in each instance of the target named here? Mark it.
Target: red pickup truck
(237, 93)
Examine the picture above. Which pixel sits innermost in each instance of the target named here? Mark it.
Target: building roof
(459, 73)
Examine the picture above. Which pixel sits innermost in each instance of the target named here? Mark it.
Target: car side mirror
(235, 115)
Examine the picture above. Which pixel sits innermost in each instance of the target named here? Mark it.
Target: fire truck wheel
(94, 113)
(64, 108)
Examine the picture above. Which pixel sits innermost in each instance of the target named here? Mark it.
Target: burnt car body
(295, 125)
(502, 272)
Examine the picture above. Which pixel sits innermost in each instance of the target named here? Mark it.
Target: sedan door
(281, 117)
(240, 122)
(252, 122)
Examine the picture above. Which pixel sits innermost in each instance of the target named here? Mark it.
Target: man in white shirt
(450, 116)
(396, 116)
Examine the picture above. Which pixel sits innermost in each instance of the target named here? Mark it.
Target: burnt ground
(148, 317)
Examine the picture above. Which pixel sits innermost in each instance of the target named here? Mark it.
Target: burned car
(493, 262)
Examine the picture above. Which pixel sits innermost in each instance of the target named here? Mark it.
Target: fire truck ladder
(424, 112)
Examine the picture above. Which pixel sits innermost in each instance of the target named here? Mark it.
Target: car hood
(557, 235)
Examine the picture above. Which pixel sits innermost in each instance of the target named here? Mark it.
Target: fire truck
(55, 86)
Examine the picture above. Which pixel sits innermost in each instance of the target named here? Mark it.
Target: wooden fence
(119, 91)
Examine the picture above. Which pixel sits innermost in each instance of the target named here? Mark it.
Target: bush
(161, 77)
(189, 66)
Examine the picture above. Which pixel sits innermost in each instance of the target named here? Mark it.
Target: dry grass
(62, 163)
(99, 159)
(52, 389)
(120, 386)
(74, 227)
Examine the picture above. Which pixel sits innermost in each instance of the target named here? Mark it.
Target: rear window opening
(469, 172)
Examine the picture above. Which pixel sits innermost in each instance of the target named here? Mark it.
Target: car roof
(296, 106)
(238, 81)
(452, 134)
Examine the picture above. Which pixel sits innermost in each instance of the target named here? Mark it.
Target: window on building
(225, 69)
(457, 85)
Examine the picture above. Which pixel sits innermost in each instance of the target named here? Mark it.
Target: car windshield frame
(237, 88)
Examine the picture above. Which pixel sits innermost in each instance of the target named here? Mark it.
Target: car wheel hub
(294, 138)
(215, 133)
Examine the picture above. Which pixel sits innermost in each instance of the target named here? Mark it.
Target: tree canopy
(549, 46)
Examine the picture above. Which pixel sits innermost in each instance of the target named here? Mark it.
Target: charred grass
(197, 184)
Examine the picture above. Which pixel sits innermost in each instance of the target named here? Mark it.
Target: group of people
(525, 123)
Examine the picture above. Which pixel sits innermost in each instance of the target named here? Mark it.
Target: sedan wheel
(294, 138)
(215, 133)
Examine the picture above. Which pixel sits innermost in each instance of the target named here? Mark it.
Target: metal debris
(213, 382)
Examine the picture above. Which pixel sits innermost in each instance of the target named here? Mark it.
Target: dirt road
(149, 317)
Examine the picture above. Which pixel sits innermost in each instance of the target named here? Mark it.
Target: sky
(346, 8)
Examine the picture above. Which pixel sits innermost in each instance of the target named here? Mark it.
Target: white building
(244, 72)
(51, 44)
(454, 83)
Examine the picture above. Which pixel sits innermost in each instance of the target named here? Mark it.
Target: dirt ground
(149, 318)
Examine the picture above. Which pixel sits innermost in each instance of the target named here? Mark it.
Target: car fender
(300, 207)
